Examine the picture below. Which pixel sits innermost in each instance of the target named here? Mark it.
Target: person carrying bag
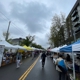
(61, 68)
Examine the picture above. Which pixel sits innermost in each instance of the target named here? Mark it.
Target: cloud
(2, 11)
(31, 17)
(33, 14)
(42, 39)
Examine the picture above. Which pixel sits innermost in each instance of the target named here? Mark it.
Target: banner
(1, 53)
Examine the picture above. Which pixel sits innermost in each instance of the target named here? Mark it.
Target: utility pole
(7, 34)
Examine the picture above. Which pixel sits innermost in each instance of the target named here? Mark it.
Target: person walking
(18, 59)
(43, 57)
(61, 68)
(33, 55)
(18, 62)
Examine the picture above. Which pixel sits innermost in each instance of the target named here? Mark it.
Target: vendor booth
(8, 55)
(73, 48)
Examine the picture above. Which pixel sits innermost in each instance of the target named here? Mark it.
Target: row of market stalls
(72, 49)
(8, 52)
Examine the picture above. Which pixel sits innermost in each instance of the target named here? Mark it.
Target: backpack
(62, 66)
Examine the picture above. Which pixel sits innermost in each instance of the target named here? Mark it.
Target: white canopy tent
(56, 49)
(9, 46)
(76, 47)
(33, 48)
(6, 44)
(19, 47)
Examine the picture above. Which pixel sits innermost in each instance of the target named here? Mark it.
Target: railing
(73, 14)
(76, 23)
(75, 18)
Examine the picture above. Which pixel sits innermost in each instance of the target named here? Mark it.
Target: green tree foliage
(5, 34)
(37, 46)
(8, 40)
(28, 41)
(61, 36)
(57, 30)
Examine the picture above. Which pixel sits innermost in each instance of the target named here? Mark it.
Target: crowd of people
(68, 65)
(60, 60)
(63, 63)
(10, 57)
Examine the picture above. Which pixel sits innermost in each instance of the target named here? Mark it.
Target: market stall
(70, 48)
(9, 56)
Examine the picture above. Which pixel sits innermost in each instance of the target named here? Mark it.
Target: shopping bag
(40, 60)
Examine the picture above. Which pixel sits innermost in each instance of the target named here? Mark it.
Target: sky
(31, 17)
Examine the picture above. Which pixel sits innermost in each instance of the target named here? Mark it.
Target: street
(36, 72)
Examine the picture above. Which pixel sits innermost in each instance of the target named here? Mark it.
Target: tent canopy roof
(76, 47)
(27, 48)
(6, 44)
(69, 47)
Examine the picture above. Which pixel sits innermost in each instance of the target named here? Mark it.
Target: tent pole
(73, 66)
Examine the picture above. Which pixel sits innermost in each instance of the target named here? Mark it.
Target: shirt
(57, 68)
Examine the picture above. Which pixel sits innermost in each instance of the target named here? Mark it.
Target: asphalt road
(47, 73)
(10, 72)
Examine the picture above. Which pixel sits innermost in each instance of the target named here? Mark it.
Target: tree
(37, 46)
(61, 36)
(57, 31)
(5, 33)
(28, 41)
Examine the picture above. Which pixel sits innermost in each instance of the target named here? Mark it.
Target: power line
(15, 26)
(18, 27)
(7, 19)
(4, 18)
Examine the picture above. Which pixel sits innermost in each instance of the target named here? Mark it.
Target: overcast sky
(31, 17)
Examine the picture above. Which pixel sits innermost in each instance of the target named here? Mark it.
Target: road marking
(28, 70)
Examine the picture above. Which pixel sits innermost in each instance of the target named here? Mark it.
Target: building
(16, 41)
(73, 24)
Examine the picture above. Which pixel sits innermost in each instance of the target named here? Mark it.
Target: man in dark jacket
(43, 57)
